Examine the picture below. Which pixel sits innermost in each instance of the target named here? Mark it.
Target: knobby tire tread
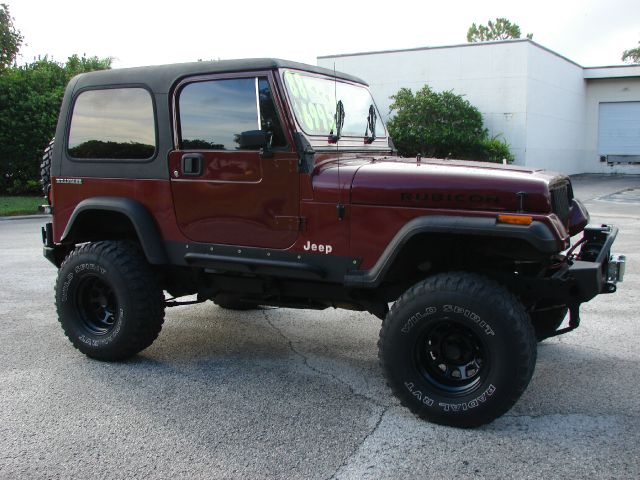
(478, 286)
(148, 304)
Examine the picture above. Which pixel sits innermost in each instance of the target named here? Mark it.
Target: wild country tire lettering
(90, 266)
(78, 269)
(65, 287)
(414, 319)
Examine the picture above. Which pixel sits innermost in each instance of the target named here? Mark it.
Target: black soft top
(160, 78)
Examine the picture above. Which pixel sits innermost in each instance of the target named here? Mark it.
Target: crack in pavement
(375, 402)
(345, 462)
(305, 361)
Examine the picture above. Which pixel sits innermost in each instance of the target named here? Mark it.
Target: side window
(269, 120)
(114, 123)
(214, 113)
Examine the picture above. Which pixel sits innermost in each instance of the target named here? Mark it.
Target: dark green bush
(442, 125)
(494, 150)
(30, 99)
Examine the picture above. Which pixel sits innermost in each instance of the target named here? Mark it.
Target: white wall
(543, 105)
(555, 118)
(491, 76)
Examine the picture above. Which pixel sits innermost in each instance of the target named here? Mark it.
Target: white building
(551, 111)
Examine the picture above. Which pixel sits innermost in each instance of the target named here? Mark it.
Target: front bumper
(577, 278)
(595, 269)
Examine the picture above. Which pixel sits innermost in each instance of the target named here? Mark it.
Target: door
(224, 191)
(619, 131)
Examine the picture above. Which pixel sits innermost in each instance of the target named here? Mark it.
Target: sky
(135, 33)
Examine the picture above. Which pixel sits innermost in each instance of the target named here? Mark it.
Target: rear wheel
(108, 300)
(458, 349)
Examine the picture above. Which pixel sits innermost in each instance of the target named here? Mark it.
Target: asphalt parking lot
(279, 393)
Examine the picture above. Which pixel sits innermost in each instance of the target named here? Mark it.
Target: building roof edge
(459, 45)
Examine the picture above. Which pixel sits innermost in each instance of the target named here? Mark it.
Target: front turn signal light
(515, 219)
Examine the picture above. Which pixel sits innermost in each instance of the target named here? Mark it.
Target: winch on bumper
(594, 270)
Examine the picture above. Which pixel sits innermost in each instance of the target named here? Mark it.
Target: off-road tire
(457, 321)
(45, 169)
(108, 301)
(546, 322)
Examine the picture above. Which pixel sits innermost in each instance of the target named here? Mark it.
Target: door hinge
(293, 224)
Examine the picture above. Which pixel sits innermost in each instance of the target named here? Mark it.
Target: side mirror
(254, 139)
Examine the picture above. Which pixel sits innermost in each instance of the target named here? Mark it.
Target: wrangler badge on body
(73, 181)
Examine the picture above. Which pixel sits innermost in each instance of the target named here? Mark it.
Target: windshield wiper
(339, 118)
(371, 125)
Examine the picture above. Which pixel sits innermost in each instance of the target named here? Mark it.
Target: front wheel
(108, 300)
(458, 349)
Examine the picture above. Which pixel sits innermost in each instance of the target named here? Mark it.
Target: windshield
(314, 102)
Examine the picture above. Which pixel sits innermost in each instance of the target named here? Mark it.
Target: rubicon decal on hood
(430, 197)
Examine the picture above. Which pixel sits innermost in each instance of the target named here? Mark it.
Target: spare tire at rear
(45, 169)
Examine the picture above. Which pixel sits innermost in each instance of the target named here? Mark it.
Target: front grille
(560, 201)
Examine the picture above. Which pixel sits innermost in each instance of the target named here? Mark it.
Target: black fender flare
(537, 234)
(142, 221)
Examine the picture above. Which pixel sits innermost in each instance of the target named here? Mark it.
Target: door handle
(192, 164)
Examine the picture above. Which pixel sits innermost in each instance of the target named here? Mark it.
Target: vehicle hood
(452, 184)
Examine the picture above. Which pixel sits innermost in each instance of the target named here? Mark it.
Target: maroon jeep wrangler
(267, 182)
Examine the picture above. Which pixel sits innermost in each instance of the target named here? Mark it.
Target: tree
(441, 124)
(501, 29)
(30, 99)
(10, 38)
(632, 55)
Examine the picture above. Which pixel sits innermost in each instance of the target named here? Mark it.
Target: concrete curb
(24, 217)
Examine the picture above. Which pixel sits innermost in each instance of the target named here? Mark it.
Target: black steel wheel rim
(451, 357)
(96, 305)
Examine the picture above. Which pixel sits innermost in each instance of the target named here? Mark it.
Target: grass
(19, 205)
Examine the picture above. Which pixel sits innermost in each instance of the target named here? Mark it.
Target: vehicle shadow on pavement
(572, 379)
(226, 346)
(210, 344)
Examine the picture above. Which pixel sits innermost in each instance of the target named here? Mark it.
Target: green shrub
(494, 150)
(442, 125)
(30, 99)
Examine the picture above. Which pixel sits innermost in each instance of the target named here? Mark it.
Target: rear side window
(214, 113)
(114, 123)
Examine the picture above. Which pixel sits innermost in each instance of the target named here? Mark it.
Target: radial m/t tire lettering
(457, 349)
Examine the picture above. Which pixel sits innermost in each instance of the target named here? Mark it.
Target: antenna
(340, 207)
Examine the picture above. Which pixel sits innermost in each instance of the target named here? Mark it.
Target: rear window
(114, 123)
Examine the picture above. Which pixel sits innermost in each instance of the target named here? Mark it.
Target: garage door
(619, 131)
